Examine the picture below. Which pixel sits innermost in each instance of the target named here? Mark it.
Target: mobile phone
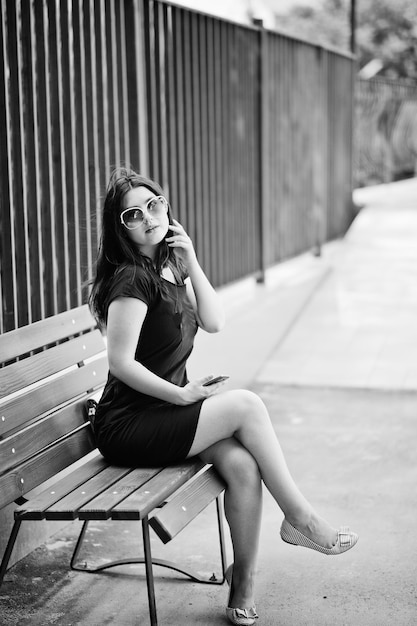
(213, 381)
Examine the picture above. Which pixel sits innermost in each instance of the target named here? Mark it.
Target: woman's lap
(160, 435)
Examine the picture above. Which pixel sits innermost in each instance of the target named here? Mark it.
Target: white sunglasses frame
(143, 211)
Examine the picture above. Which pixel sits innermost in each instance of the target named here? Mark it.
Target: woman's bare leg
(243, 509)
(241, 414)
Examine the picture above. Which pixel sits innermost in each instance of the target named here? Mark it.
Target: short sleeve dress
(135, 429)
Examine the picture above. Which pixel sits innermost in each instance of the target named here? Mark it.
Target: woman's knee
(249, 404)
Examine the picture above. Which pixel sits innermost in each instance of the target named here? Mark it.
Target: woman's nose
(147, 217)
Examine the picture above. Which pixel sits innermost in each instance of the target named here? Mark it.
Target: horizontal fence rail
(248, 131)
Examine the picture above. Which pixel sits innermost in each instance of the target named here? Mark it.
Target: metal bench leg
(147, 561)
(149, 571)
(84, 566)
(9, 549)
(220, 518)
(78, 548)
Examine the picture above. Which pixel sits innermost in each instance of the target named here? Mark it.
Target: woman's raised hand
(182, 243)
(195, 390)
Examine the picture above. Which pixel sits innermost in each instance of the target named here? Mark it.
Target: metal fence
(308, 146)
(386, 130)
(248, 131)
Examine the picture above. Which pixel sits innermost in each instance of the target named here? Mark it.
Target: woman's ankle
(242, 588)
(300, 516)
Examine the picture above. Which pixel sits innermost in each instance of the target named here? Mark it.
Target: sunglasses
(134, 216)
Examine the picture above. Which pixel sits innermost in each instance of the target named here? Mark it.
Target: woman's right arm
(124, 323)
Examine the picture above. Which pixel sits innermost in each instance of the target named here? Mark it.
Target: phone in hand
(213, 381)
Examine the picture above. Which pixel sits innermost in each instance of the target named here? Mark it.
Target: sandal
(345, 539)
(240, 617)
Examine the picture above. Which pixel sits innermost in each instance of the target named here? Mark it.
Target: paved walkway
(360, 328)
(330, 344)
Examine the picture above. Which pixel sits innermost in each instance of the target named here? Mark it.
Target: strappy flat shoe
(241, 617)
(345, 539)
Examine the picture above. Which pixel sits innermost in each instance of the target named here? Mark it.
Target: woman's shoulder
(130, 273)
(131, 280)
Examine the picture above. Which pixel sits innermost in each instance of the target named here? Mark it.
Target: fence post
(141, 95)
(263, 126)
(319, 208)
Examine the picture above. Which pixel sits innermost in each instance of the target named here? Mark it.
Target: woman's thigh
(222, 415)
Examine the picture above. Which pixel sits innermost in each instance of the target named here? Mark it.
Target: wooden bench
(50, 370)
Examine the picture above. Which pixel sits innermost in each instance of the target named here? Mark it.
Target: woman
(151, 294)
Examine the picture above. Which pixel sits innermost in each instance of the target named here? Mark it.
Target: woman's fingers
(178, 231)
(181, 239)
(181, 242)
(176, 226)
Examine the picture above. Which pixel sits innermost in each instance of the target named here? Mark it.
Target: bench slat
(142, 501)
(186, 505)
(23, 340)
(35, 508)
(26, 443)
(100, 507)
(20, 375)
(47, 464)
(67, 507)
(38, 401)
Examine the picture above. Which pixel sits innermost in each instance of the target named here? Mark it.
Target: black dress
(133, 428)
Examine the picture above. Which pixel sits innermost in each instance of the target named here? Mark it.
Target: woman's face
(151, 231)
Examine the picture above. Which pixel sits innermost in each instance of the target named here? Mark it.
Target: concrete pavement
(330, 344)
(360, 331)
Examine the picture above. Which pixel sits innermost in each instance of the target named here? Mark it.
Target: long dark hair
(117, 251)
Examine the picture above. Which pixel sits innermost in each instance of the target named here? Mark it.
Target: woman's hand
(195, 390)
(203, 297)
(181, 243)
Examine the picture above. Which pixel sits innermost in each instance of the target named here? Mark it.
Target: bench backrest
(47, 372)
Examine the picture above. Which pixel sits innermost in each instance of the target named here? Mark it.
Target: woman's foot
(345, 539)
(315, 528)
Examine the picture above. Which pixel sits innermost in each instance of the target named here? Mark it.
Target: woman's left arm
(203, 297)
